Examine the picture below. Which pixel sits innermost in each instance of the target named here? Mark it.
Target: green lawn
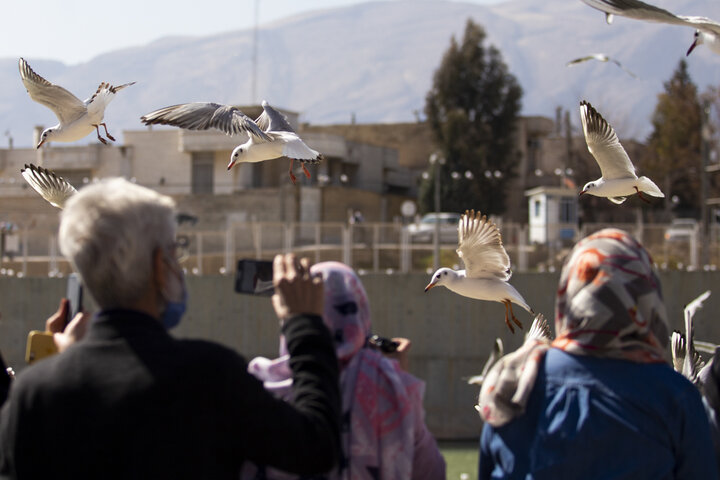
(460, 457)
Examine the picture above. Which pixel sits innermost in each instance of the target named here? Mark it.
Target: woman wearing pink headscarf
(600, 401)
(384, 435)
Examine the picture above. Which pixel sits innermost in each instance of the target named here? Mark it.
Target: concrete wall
(451, 335)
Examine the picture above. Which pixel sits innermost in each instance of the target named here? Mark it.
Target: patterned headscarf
(379, 400)
(609, 304)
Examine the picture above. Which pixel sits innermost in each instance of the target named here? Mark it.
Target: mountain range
(373, 63)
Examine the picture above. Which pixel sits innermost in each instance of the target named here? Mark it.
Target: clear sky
(74, 31)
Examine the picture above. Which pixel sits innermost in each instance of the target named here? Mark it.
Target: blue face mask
(173, 312)
(175, 309)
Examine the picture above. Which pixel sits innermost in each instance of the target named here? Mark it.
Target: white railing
(371, 247)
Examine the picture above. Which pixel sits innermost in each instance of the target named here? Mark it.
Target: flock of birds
(487, 264)
(269, 136)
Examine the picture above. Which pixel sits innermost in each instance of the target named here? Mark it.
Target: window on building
(536, 208)
(202, 172)
(567, 210)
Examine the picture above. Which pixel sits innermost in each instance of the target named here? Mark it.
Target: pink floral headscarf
(380, 402)
(609, 304)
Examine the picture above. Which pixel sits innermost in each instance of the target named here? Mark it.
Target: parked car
(681, 229)
(424, 230)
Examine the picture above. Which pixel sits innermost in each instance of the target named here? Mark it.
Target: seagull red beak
(41, 143)
(430, 285)
(230, 165)
(581, 193)
(692, 47)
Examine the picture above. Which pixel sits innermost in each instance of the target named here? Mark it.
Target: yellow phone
(39, 345)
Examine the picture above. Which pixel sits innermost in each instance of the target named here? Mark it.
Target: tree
(674, 146)
(472, 109)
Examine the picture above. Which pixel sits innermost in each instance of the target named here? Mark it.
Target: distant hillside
(375, 61)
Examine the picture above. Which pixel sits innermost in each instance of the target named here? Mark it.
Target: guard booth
(552, 215)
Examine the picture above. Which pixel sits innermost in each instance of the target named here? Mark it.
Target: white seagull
(686, 359)
(270, 135)
(707, 31)
(50, 186)
(600, 57)
(618, 180)
(77, 118)
(487, 267)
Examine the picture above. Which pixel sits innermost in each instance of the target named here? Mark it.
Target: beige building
(191, 166)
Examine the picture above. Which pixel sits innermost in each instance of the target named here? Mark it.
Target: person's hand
(401, 354)
(65, 336)
(295, 291)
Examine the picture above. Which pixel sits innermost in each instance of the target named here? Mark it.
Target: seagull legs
(641, 195)
(97, 129)
(508, 309)
(107, 134)
(293, 178)
(305, 170)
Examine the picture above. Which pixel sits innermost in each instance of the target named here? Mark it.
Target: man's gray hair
(109, 231)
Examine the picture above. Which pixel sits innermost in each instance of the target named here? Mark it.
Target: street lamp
(437, 162)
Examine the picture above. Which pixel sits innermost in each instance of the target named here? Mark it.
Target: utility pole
(253, 98)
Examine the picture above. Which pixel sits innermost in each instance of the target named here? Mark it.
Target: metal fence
(370, 247)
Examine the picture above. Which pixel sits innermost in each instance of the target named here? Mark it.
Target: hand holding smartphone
(41, 344)
(254, 277)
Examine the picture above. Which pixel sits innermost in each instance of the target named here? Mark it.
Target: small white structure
(552, 214)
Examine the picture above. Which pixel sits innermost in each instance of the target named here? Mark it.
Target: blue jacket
(597, 418)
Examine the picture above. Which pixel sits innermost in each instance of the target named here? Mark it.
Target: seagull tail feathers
(649, 187)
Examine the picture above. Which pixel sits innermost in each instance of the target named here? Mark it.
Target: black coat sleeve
(302, 436)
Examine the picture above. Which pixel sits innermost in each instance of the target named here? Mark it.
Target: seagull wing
(695, 305)
(603, 144)
(540, 329)
(270, 120)
(66, 106)
(204, 116)
(480, 247)
(595, 56)
(643, 11)
(102, 96)
(692, 363)
(677, 350)
(51, 187)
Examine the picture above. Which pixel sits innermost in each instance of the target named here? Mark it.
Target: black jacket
(130, 401)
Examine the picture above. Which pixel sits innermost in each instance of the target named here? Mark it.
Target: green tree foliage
(472, 111)
(674, 148)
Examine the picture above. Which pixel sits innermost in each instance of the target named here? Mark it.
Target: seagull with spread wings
(600, 57)
(487, 267)
(77, 118)
(685, 357)
(707, 31)
(270, 135)
(50, 186)
(618, 180)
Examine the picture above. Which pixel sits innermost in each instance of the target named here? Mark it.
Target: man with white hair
(130, 401)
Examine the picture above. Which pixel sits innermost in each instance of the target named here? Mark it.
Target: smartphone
(254, 277)
(74, 294)
(39, 345)
(383, 344)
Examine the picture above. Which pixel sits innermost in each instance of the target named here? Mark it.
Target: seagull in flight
(50, 186)
(707, 31)
(618, 180)
(270, 135)
(77, 118)
(685, 358)
(487, 267)
(601, 57)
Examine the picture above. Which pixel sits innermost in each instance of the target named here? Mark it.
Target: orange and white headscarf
(609, 304)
